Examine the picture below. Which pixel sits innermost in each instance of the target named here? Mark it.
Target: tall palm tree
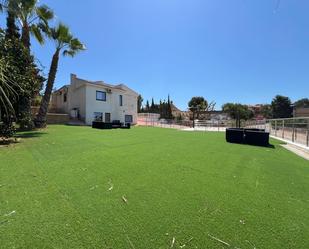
(30, 17)
(68, 46)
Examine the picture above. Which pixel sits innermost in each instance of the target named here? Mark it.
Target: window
(128, 118)
(100, 95)
(65, 97)
(98, 116)
(120, 100)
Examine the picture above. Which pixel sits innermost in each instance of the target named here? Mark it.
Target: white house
(95, 100)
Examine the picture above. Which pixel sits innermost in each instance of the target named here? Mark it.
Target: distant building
(301, 112)
(218, 116)
(95, 100)
(257, 110)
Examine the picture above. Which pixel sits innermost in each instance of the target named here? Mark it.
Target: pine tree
(139, 103)
(152, 107)
(169, 108)
(147, 109)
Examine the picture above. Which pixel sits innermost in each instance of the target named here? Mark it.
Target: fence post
(275, 127)
(293, 132)
(283, 128)
(307, 133)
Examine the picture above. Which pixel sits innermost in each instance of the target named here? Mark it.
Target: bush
(36, 101)
(26, 123)
(7, 129)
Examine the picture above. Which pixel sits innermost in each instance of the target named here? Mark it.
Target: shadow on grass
(271, 146)
(30, 134)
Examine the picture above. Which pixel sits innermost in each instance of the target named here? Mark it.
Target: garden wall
(57, 118)
(52, 118)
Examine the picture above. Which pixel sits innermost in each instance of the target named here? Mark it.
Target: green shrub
(7, 129)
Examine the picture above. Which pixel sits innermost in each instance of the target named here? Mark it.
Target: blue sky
(225, 50)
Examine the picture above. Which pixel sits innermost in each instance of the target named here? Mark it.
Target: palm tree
(8, 94)
(68, 46)
(30, 17)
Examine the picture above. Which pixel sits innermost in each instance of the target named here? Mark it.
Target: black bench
(247, 136)
(101, 125)
(260, 138)
(113, 125)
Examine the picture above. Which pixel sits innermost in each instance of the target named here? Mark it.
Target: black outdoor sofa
(247, 136)
(113, 125)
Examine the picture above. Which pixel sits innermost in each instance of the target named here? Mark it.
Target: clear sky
(225, 50)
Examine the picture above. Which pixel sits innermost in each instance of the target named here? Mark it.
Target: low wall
(57, 118)
(52, 118)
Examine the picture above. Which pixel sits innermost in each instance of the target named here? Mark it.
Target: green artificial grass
(77, 187)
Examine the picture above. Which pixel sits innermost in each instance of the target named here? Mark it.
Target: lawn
(77, 187)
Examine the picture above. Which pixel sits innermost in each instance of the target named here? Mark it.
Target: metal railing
(295, 130)
(198, 125)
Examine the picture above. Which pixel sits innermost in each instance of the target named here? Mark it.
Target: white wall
(82, 95)
(77, 99)
(111, 105)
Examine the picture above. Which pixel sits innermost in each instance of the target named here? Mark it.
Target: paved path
(297, 150)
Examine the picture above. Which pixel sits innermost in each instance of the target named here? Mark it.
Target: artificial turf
(77, 187)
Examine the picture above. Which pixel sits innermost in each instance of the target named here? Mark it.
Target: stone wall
(57, 118)
(52, 118)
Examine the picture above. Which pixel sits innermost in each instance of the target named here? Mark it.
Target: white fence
(292, 129)
(151, 119)
(295, 130)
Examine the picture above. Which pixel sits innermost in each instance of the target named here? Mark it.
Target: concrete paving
(304, 153)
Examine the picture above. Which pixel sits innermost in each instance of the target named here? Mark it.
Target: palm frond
(64, 39)
(2, 33)
(37, 33)
(68, 52)
(45, 29)
(44, 13)
(7, 92)
(3, 5)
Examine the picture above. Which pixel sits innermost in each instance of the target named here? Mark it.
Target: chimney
(73, 77)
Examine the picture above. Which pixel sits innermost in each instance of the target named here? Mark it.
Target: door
(107, 117)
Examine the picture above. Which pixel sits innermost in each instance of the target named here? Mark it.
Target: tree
(12, 31)
(147, 108)
(197, 105)
(8, 97)
(302, 103)
(266, 111)
(25, 73)
(139, 103)
(69, 46)
(169, 114)
(31, 17)
(238, 112)
(281, 107)
(152, 106)
(8, 94)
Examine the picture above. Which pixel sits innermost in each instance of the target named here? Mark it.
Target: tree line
(21, 79)
(280, 107)
(164, 108)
